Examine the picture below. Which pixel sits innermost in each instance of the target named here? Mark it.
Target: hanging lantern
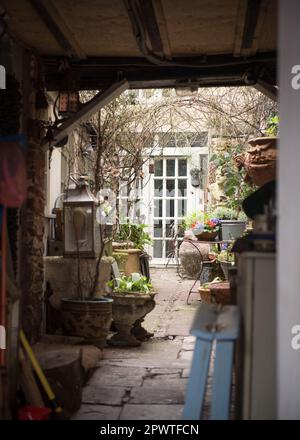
(68, 102)
(81, 230)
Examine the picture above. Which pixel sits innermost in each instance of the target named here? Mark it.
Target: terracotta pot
(90, 319)
(206, 236)
(127, 309)
(132, 263)
(217, 293)
(260, 160)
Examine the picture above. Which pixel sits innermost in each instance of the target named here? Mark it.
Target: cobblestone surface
(148, 382)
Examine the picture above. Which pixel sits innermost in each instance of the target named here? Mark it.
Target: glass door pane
(170, 202)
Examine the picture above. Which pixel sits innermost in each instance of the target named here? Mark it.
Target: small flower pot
(206, 236)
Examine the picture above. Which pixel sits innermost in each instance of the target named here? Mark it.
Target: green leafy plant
(226, 257)
(201, 220)
(191, 219)
(135, 233)
(134, 283)
(208, 284)
(235, 187)
(273, 126)
(224, 213)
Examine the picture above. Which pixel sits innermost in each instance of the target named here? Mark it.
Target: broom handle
(39, 372)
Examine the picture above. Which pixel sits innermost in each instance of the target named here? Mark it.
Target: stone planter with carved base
(90, 319)
(138, 330)
(129, 311)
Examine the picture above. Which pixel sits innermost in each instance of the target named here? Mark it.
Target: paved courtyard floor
(147, 382)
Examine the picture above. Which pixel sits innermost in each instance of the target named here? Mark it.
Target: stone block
(61, 274)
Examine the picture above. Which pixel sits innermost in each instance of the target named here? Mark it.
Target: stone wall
(61, 275)
(32, 231)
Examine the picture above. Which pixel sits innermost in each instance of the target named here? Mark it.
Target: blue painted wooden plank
(222, 378)
(216, 322)
(205, 321)
(197, 381)
(228, 323)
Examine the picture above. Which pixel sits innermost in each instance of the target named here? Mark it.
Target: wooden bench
(220, 324)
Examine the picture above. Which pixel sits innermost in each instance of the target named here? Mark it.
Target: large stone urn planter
(138, 330)
(191, 254)
(90, 319)
(129, 310)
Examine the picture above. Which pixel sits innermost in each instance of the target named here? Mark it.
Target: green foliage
(226, 256)
(273, 126)
(135, 233)
(223, 213)
(133, 283)
(192, 218)
(235, 187)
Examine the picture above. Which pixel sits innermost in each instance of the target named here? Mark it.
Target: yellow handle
(38, 369)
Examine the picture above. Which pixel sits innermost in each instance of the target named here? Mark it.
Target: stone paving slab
(182, 324)
(97, 412)
(154, 363)
(186, 373)
(98, 394)
(187, 355)
(115, 380)
(160, 377)
(165, 381)
(161, 371)
(119, 370)
(151, 412)
(159, 393)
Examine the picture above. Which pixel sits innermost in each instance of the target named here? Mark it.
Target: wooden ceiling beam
(58, 28)
(249, 25)
(151, 25)
(267, 89)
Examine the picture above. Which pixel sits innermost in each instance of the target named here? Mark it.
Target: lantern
(81, 230)
(68, 102)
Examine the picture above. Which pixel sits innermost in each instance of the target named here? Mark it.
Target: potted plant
(88, 313)
(206, 230)
(133, 299)
(260, 159)
(232, 224)
(130, 241)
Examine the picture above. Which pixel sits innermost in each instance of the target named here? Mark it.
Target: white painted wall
(53, 180)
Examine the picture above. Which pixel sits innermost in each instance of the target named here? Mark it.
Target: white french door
(170, 200)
